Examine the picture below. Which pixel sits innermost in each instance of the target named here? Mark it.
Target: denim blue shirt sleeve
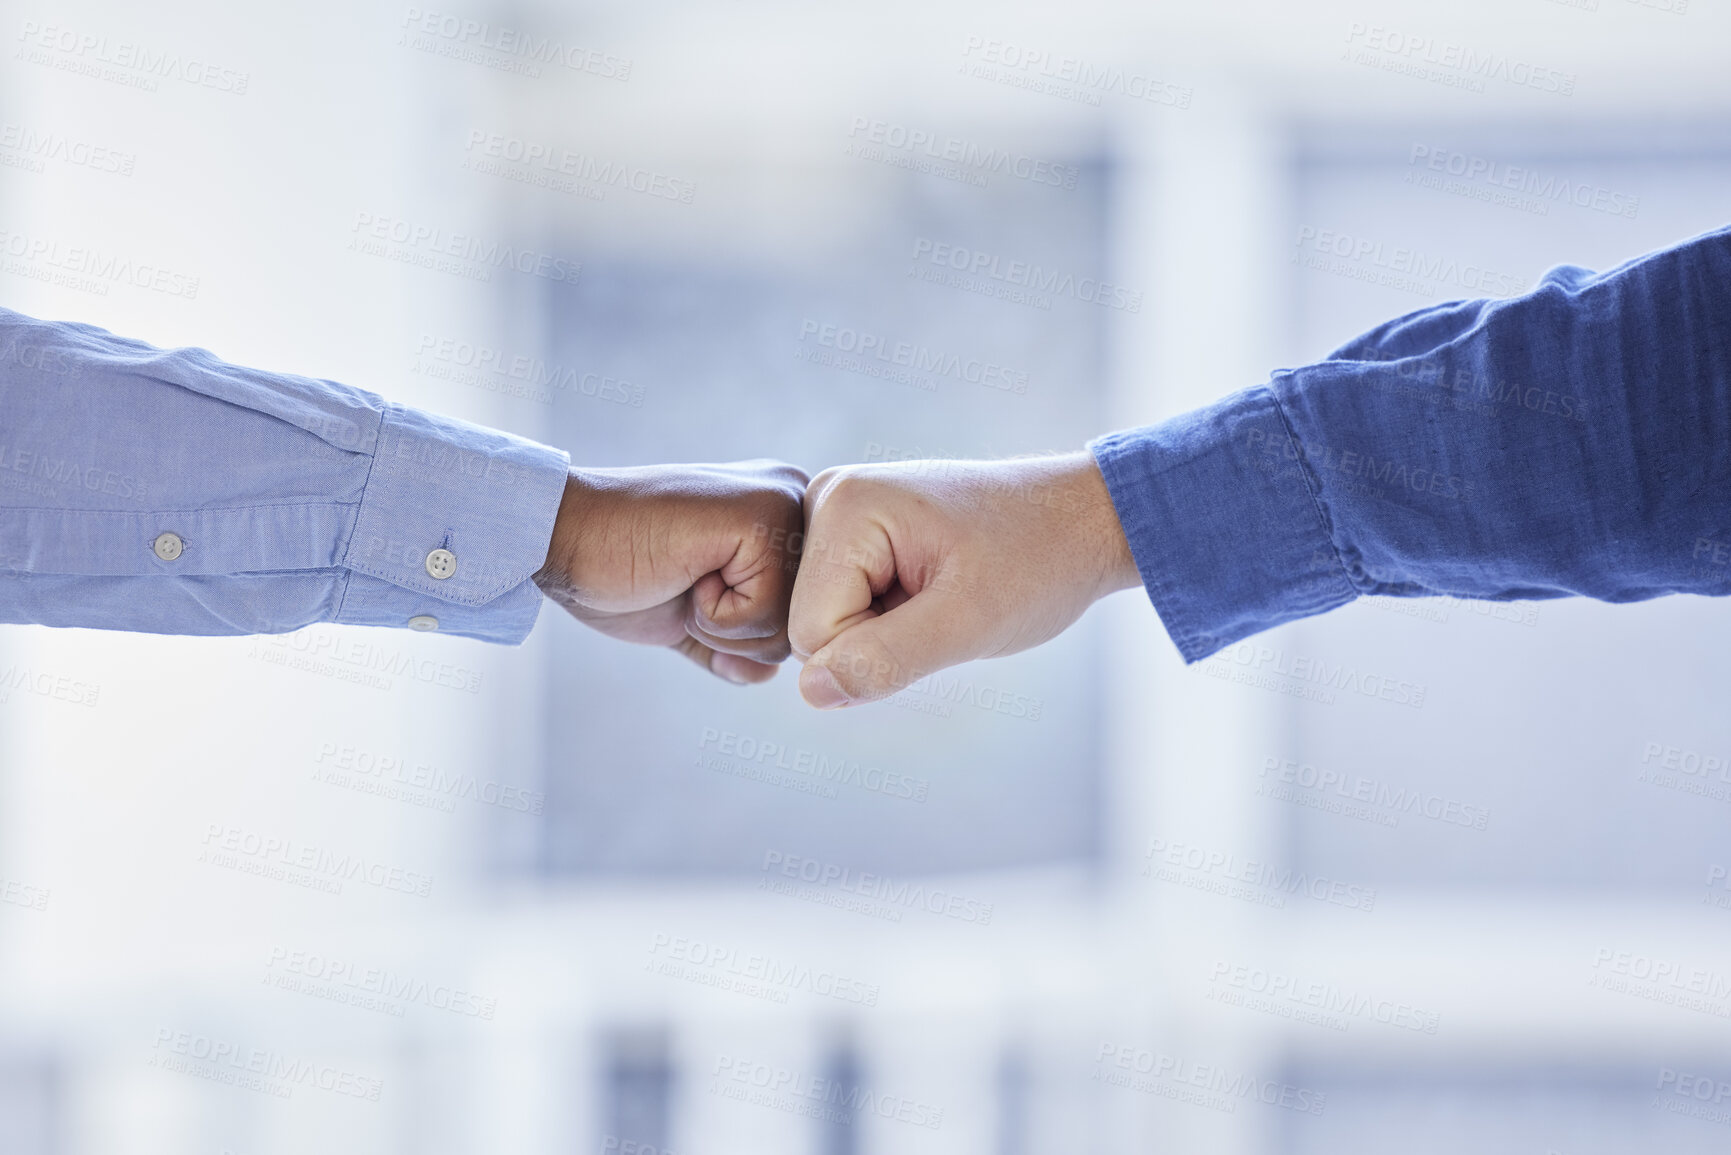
(1575, 440)
(292, 500)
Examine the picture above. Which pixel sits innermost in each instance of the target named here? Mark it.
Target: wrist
(556, 577)
(1098, 526)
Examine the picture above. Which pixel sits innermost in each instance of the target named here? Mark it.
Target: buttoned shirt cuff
(453, 522)
(1224, 522)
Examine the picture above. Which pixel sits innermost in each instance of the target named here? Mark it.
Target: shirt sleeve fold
(288, 500)
(1572, 441)
(1226, 534)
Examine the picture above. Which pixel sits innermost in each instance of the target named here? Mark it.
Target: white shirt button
(167, 546)
(424, 623)
(441, 563)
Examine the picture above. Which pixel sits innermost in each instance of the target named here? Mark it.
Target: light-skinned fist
(912, 566)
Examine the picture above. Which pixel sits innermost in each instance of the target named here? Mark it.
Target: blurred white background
(583, 910)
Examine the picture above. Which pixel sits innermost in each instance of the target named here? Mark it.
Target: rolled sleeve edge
(500, 530)
(1228, 540)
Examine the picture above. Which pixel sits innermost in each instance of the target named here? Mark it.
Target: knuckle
(776, 503)
(740, 643)
(846, 485)
(866, 669)
(840, 486)
(805, 638)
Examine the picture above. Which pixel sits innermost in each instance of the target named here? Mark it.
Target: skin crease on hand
(690, 556)
(910, 567)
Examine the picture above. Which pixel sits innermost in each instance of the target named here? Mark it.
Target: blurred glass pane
(847, 358)
(1531, 759)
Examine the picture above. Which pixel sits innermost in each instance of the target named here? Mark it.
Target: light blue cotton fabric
(297, 500)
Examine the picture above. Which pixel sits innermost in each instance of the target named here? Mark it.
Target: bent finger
(880, 655)
(848, 561)
(728, 667)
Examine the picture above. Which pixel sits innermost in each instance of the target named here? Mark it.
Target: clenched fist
(909, 567)
(690, 556)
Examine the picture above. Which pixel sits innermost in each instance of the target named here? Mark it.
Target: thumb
(877, 657)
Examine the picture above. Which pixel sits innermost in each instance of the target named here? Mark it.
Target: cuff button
(168, 546)
(441, 564)
(423, 623)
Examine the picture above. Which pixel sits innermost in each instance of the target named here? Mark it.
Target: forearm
(1575, 440)
(285, 500)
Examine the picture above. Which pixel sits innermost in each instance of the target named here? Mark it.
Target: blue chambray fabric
(1574, 440)
(298, 500)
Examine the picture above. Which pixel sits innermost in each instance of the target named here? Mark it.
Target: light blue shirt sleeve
(285, 500)
(1572, 441)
